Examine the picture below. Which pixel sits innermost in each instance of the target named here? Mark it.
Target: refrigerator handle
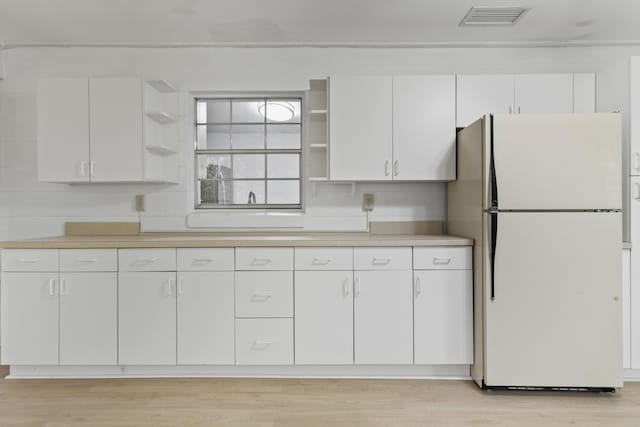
(492, 170)
(494, 243)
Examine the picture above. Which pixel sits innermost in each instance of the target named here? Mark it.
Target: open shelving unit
(161, 132)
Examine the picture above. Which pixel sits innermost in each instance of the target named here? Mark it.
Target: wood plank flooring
(296, 403)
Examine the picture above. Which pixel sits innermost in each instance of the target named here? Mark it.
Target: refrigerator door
(557, 161)
(555, 319)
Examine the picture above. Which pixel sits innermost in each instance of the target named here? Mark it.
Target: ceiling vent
(488, 16)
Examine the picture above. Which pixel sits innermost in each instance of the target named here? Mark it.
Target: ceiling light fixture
(490, 16)
(276, 111)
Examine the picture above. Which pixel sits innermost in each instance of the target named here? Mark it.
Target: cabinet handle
(518, 110)
(83, 168)
(345, 287)
(258, 297)
(202, 260)
(321, 261)
(441, 260)
(418, 289)
(29, 260)
(637, 192)
(63, 286)
(169, 292)
(380, 261)
(180, 286)
(261, 344)
(396, 168)
(510, 109)
(356, 287)
(386, 168)
(87, 260)
(92, 168)
(145, 260)
(52, 287)
(261, 261)
(636, 161)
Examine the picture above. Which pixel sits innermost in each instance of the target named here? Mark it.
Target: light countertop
(201, 240)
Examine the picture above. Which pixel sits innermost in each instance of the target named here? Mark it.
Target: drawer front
(442, 258)
(264, 259)
(382, 258)
(147, 259)
(88, 260)
(324, 259)
(264, 341)
(30, 260)
(197, 259)
(264, 294)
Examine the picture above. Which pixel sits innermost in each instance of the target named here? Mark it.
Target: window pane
(283, 136)
(283, 166)
(242, 191)
(215, 192)
(213, 111)
(214, 166)
(248, 166)
(214, 137)
(283, 192)
(283, 110)
(246, 111)
(244, 137)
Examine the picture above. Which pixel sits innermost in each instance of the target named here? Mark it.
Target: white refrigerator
(541, 196)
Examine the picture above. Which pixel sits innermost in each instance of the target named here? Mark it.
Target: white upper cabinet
(424, 133)
(105, 130)
(384, 128)
(360, 128)
(523, 93)
(63, 130)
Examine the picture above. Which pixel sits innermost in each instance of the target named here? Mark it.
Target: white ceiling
(310, 22)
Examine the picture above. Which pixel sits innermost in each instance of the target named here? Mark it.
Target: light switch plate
(367, 202)
(139, 202)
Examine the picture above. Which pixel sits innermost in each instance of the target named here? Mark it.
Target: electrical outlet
(139, 202)
(367, 202)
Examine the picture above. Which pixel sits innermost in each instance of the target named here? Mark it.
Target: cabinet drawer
(88, 260)
(264, 294)
(264, 259)
(324, 259)
(30, 260)
(382, 258)
(197, 259)
(442, 258)
(147, 259)
(264, 341)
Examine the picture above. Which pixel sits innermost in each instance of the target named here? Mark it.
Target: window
(248, 153)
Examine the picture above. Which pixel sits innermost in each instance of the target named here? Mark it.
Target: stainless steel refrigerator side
(466, 200)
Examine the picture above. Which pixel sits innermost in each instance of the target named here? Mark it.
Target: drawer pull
(202, 260)
(261, 344)
(258, 297)
(261, 261)
(321, 261)
(418, 288)
(441, 260)
(345, 287)
(87, 260)
(380, 261)
(29, 260)
(146, 260)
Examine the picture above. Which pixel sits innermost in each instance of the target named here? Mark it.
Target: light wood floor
(295, 403)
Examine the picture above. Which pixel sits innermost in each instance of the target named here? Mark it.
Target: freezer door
(557, 161)
(555, 319)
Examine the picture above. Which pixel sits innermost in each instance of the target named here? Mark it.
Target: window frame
(262, 207)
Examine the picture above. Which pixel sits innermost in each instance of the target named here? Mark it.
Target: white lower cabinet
(205, 318)
(264, 341)
(147, 318)
(443, 317)
(383, 321)
(324, 317)
(29, 319)
(88, 319)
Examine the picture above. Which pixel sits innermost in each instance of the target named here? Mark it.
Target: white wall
(32, 209)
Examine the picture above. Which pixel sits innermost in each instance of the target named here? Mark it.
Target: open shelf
(162, 86)
(161, 117)
(160, 149)
(318, 146)
(318, 179)
(322, 112)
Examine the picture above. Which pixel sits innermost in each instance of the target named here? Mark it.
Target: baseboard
(631, 375)
(441, 372)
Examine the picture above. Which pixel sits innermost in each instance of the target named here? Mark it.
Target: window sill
(244, 220)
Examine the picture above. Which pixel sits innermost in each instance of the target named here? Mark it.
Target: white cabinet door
(543, 93)
(626, 308)
(63, 130)
(383, 320)
(205, 318)
(29, 319)
(443, 317)
(324, 318)
(360, 124)
(88, 319)
(478, 95)
(116, 129)
(635, 272)
(424, 127)
(147, 318)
